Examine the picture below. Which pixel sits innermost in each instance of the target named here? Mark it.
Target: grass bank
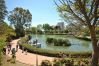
(83, 38)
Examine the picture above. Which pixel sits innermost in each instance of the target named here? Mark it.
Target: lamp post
(36, 52)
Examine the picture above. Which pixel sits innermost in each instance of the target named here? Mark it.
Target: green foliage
(20, 18)
(20, 32)
(2, 44)
(6, 29)
(6, 32)
(3, 26)
(3, 11)
(46, 27)
(55, 41)
(58, 42)
(56, 62)
(49, 40)
(33, 30)
(24, 40)
(69, 62)
(46, 63)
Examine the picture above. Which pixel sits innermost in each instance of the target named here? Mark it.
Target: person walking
(4, 50)
(8, 50)
(22, 49)
(26, 52)
(9, 47)
(13, 54)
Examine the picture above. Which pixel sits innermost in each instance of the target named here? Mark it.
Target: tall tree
(20, 18)
(46, 27)
(3, 11)
(86, 12)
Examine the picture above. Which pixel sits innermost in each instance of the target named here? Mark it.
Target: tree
(39, 27)
(6, 29)
(57, 29)
(46, 27)
(33, 30)
(3, 11)
(86, 12)
(74, 28)
(21, 19)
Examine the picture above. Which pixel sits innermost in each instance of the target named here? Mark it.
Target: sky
(43, 11)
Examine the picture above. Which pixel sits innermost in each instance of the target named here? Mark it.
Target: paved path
(30, 58)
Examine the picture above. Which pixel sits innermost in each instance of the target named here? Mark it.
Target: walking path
(30, 58)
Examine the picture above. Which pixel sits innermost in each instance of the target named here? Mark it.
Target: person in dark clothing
(8, 50)
(4, 50)
(9, 47)
(13, 54)
(22, 49)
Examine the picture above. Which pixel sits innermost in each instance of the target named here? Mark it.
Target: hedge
(52, 53)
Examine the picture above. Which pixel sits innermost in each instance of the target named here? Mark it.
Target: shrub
(56, 62)
(23, 40)
(46, 63)
(29, 36)
(66, 42)
(2, 44)
(49, 40)
(58, 42)
(55, 42)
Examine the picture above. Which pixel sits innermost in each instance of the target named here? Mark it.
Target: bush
(29, 37)
(56, 62)
(65, 61)
(46, 63)
(2, 44)
(58, 42)
(66, 43)
(55, 42)
(23, 40)
(70, 62)
(49, 40)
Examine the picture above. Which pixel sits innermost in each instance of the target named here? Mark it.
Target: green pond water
(77, 44)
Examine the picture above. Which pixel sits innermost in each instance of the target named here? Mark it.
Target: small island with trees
(58, 42)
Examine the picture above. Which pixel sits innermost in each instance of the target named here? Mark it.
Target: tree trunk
(95, 53)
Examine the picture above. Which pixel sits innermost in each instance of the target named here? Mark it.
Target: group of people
(8, 49)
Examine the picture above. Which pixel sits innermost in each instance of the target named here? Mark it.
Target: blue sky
(43, 11)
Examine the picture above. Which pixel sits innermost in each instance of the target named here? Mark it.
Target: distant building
(39, 27)
(61, 25)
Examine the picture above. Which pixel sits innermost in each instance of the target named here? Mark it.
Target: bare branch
(72, 12)
(96, 11)
(57, 4)
(61, 1)
(91, 9)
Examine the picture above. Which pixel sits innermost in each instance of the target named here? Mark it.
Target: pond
(77, 44)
